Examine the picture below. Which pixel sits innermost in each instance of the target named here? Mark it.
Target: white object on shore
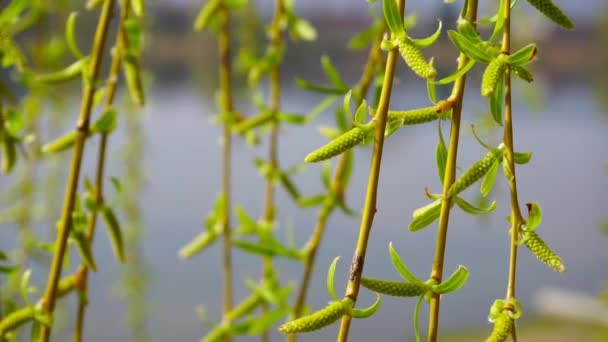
(571, 305)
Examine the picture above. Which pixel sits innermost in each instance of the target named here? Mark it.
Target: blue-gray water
(567, 176)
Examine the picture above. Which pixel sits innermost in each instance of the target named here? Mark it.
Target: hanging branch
(74, 173)
(336, 189)
(369, 208)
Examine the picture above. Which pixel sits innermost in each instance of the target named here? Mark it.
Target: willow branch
(369, 209)
(457, 97)
(516, 217)
(83, 272)
(226, 103)
(336, 189)
(70, 195)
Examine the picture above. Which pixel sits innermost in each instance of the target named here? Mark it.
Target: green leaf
(311, 201)
(84, 248)
(469, 48)
(341, 120)
(205, 14)
(117, 184)
(500, 20)
(496, 101)
(416, 318)
(68, 73)
(138, 7)
(292, 118)
(360, 114)
(522, 157)
(364, 38)
(268, 319)
(471, 209)
(523, 56)
(70, 36)
(424, 216)
(346, 103)
(426, 42)
(319, 89)
(441, 155)
(114, 232)
(392, 16)
(106, 122)
(303, 30)
(247, 224)
(401, 267)
(488, 181)
(331, 274)
(326, 175)
(535, 216)
(332, 73)
(256, 248)
(367, 312)
(467, 29)
(523, 73)
(431, 90)
(456, 74)
(454, 282)
(199, 243)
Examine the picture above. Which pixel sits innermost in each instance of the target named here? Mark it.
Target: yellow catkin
(339, 145)
(502, 328)
(543, 252)
(394, 288)
(551, 11)
(317, 320)
(415, 60)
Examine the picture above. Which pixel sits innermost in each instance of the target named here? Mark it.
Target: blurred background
(167, 156)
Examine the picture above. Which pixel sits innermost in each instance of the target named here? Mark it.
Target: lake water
(567, 176)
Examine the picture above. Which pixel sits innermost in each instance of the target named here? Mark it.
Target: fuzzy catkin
(492, 75)
(502, 328)
(543, 252)
(337, 146)
(417, 116)
(415, 60)
(394, 288)
(475, 172)
(551, 11)
(317, 320)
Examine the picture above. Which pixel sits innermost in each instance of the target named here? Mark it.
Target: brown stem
(226, 91)
(369, 209)
(337, 191)
(82, 273)
(457, 98)
(65, 225)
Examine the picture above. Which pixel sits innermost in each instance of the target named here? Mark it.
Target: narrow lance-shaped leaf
(70, 36)
(523, 56)
(488, 181)
(204, 16)
(84, 248)
(114, 232)
(469, 48)
(401, 267)
(332, 73)
(454, 282)
(199, 243)
(535, 216)
(393, 18)
(422, 217)
(441, 155)
(457, 74)
(133, 76)
(426, 42)
(68, 73)
(62, 143)
(9, 155)
(496, 101)
(473, 210)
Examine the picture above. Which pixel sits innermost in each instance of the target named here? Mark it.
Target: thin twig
(70, 195)
(337, 190)
(450, 171)
(369, 209)
(83, 272)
